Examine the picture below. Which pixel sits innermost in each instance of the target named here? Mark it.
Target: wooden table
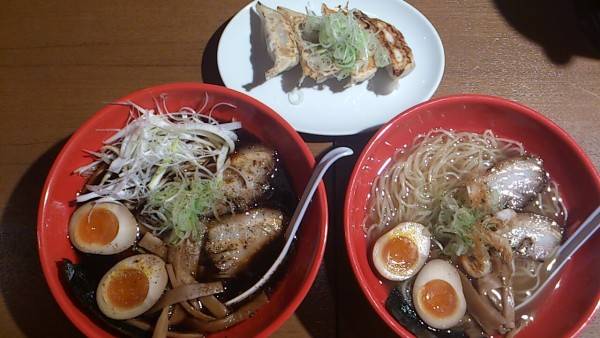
(61, 61)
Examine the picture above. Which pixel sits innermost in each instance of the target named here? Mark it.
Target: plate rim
(347, 131)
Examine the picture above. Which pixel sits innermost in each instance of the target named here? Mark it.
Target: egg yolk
(100, 226)
(438, 298)
(127, 288)
(400, 253)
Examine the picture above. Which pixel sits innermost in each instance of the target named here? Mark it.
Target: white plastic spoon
(565, 252)
(326, 162)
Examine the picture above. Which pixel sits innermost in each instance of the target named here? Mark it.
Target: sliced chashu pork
(247, 177)
(234, 240)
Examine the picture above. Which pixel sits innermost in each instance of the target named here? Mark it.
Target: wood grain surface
(61, 61)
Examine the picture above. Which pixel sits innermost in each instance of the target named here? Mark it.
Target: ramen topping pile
(179, 215)
(460, 225)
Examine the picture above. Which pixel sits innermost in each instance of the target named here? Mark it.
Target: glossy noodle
(493, 213)
(412, 186)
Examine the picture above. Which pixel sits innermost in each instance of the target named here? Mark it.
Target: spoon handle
(553, 266)
(320, 169)
(575, 241)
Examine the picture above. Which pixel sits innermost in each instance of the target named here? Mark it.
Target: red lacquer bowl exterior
(56, 203)
(573, 302)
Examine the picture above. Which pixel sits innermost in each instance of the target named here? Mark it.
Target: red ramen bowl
(577, 294)
(61, 186)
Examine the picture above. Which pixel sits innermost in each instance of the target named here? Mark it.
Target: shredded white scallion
(169, 164)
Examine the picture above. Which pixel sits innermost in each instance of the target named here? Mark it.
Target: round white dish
(329, 108)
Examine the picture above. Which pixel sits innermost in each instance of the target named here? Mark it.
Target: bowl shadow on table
(261, 62)
(563, 28)
(22, 282)
(317, 312)
(356, 318)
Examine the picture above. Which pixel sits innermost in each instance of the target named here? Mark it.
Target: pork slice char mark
(234, 240)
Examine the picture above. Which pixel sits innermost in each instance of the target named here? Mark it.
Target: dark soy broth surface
(278, 194)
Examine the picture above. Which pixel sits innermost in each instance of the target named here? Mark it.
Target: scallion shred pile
(179, 204)
(167, 164)
(455, 225)
(340, 45)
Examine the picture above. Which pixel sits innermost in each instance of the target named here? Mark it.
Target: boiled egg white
(132, 286)
(102, 228)
(401, 252)
(438, 296)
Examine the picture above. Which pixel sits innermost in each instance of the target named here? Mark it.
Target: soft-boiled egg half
(401, 252)
(438, 296)
(102, 228)
(132, 286)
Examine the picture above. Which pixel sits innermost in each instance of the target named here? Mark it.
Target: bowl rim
(74, 313)
(471, 98)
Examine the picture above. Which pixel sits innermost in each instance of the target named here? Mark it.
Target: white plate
(329, 109)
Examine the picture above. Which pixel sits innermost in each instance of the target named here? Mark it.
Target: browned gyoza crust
(281, 42)
(297, 21)
(392, 40)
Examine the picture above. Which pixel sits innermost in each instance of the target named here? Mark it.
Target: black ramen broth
(459, 227)
(227, 214)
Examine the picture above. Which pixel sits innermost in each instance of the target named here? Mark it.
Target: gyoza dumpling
(391, 39)
(297, 21)
(281, 43)
(368, 69)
